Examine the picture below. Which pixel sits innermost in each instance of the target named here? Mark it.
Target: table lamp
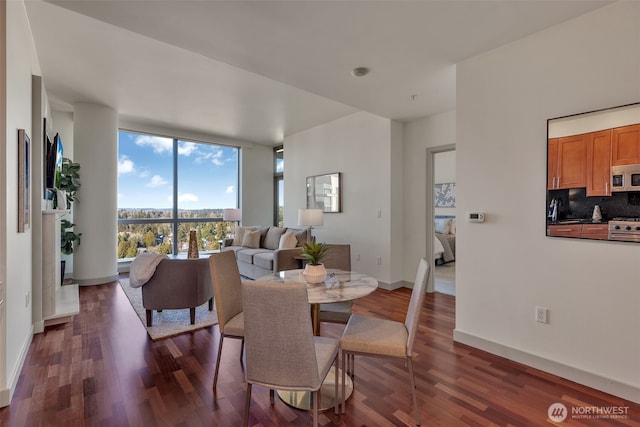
(310, 218)
(232, 215)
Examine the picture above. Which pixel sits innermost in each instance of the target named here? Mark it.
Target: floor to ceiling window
(169, 186)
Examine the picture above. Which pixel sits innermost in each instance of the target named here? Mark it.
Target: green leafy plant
(314, 252)
(69, 183)
(68, 238)
(69, 179)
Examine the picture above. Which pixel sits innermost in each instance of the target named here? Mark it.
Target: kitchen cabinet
(552, 163)
(599, 163)
(567, 162)
(567, 230)
(595, 231)
(625, 143)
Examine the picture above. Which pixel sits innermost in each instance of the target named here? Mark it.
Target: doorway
(441, 217)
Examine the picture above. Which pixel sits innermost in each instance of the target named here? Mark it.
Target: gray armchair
(178, 284)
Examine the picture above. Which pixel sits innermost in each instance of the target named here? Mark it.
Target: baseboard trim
(598, 382)
(97, 281)
(392, 286)
(7, 394)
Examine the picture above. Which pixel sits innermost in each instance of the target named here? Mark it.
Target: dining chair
(386, 338)
(338, 256)
(227, 293)
(281, 351)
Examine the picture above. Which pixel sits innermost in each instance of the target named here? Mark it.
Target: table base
(302, 399)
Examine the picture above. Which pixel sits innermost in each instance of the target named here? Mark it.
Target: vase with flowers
(314, 271)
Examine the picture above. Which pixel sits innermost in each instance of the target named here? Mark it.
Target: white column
(95, 134)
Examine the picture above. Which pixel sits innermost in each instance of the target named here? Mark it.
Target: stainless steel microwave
(625, 178)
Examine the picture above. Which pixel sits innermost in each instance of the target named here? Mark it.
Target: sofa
(261, 251)
(178, 284)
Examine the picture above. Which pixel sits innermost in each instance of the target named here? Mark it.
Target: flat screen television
(54, 163)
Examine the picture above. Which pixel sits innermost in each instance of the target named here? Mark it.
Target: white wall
(256, 185)
(360, 146)
(20, 67)
(507, 266)
(428, 132)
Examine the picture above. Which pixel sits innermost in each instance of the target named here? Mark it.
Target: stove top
(626, 219)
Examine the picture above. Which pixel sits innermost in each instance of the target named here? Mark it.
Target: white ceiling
(261, 70)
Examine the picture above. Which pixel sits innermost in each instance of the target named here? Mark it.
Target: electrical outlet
(542, 315)
(27, 298)
(357, 257)
(379, 214)
(379, 260)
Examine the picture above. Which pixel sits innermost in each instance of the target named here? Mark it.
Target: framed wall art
(444, 195)
(324, 192)
(24, 187)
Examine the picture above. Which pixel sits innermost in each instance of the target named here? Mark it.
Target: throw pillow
(237, 240)
(272, 239)
(251, 239)
(443, 225)
(301, 236)
(288, 240)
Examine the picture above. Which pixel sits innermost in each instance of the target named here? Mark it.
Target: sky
(207, 174)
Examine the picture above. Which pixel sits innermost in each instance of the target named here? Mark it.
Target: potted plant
(314, 271)
(69, 183)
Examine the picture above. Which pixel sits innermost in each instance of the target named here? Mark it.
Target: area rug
(168, 323)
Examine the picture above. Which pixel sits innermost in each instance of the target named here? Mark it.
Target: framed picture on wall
(24, 187)
(324, 192)
(444, 195)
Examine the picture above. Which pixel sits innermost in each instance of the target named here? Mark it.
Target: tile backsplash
(574, 203)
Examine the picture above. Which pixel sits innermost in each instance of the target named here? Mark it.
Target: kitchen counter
(576, 221)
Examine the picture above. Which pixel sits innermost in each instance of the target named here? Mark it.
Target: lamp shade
(310, 217)
(232, 214)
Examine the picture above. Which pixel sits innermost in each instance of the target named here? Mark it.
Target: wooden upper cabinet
(552, 163)
(625, 145)
(599, 163)
(570, 162)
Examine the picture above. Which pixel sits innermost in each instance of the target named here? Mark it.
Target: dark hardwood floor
(103, 370)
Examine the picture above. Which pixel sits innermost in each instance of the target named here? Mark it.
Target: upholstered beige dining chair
(281, 351)
(387, 338)
(338, 256)
(227, 293)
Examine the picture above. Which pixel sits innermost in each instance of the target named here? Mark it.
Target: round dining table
(340, 285)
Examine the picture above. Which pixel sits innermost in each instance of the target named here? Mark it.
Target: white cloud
(125, 166)
(229, 189)
(156, 181)
(158, 144)
(215, 157)
(187, 197)
(186, 148)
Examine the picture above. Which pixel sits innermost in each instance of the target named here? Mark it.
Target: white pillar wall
(95, 134)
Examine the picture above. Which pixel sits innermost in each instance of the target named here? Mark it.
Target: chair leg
(413, 390)
(215, 375)
(247, 403)
(211, 304)
(192, 315)
(336, 365)
(344, 370)
(149, 318)
(316, 403)
(272, 396)
(241, 349)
